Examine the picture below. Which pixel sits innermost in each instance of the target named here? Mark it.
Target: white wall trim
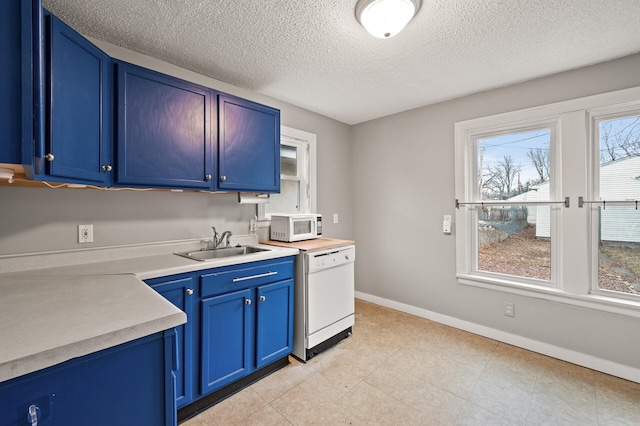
(574, 357)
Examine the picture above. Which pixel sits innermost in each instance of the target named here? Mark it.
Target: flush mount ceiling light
(386, 18)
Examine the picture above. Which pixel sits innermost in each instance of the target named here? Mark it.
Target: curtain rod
(511, 203)
(582, 202)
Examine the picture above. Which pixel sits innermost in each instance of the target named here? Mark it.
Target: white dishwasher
(325, 299)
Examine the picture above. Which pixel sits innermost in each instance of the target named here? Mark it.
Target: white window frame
(574, 175)
(466, 147)
(597, 115)
(305, 143)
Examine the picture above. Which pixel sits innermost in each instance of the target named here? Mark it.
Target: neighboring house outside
(531, 195)
(619, 180)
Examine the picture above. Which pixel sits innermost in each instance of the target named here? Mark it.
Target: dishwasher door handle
(251, 277)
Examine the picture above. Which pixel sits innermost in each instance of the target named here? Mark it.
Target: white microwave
(295, 227)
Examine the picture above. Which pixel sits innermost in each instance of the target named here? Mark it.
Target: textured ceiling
(314, 54)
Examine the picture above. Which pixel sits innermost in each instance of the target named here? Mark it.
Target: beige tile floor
(398, 369)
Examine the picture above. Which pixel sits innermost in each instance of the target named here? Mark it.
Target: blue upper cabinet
(16, 78)
(248, 146)
(164, 130)
(78, 130)
(57, 107)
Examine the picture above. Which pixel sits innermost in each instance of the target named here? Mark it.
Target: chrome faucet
(214, 242)
(227, 235)
(217, 239)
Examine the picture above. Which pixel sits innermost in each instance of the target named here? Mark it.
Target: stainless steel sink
(218, 253)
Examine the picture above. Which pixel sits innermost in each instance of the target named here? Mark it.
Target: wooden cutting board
(310, 245)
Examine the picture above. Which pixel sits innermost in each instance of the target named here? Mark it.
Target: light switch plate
(446, 224)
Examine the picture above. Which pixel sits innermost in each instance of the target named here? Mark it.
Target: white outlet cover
(509, 309)
(85, 234)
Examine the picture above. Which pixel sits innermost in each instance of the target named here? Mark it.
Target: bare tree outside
(540, 160)
(500, 180)
(619, 141)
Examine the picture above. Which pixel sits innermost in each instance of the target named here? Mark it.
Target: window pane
(619, 226)
(514, 240)
(288, 160)
(513, 165)
(619, 249)
(287, 201)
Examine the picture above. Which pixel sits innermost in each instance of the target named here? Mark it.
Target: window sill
(598, 302)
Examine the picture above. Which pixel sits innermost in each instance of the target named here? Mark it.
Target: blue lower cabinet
(132, 383)
(274, 322)
(181, 293)
(226, 339)
(239, 319)
(244, 331)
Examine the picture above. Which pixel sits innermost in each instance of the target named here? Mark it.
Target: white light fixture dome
(386, 18)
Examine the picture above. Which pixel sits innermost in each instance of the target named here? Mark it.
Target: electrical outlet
(509, 309)
(335, 218)
(85, 234)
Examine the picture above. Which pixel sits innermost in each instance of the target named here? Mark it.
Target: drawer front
(244, 276)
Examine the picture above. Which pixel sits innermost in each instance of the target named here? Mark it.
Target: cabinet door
(164, 130)
(180, 292)
(12, 18)
(79, 119)
(248, 146)
(226, 339)
(274, 310)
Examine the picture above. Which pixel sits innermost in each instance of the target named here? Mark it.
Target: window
(513, 167)
(546, 201)
(509, 207)
(297, 175)
(616, 219)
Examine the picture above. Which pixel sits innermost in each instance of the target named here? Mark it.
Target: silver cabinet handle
(49, 157)
(262, 298)
(207, 177)
(33, 414)
(268, 274)
(247, 301)
(107, 168)
(223, 178)
(189, 291)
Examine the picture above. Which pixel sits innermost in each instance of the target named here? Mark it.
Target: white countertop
(146, 267)
(51, 315)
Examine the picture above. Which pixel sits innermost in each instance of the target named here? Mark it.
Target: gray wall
(43, 219)
(403, 183)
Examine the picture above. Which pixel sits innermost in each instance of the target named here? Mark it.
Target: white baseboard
(574, 357)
